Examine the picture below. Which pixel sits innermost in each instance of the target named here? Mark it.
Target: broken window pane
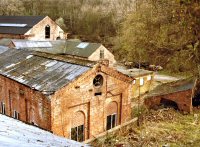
(81, 133)
(108, 122)
(74, 133)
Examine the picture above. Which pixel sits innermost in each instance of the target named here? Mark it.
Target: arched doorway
(77, 127)
(111, 115)
(168, 103)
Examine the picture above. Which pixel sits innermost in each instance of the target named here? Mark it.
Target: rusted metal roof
(38, 72)
(18, 24)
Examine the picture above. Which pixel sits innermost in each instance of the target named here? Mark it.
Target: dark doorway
(196, 100)
(168, 103)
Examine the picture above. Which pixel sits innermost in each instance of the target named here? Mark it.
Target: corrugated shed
(30, 21)
(40, 73)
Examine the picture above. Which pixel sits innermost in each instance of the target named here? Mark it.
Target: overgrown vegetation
(161, 32)
(164, 127)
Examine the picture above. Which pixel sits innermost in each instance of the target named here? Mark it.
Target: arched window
(77, 129)
(47, 32)
(111, 110)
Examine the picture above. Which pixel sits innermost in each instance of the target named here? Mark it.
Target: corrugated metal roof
(172, 87)
(30, 21)
(40, 73)
(74, 48)
(3, 49)
(19, 44)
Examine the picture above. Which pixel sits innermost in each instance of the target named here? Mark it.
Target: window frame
(99, 82)
(149, 77)
(3, 108)
(15, 114)
(47, 32)
(79, 133)
(101, 56)
(112, 125)
(141, 81)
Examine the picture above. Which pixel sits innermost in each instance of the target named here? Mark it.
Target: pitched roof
(83, 49)
(172, 87)
(41, 73)
(18, 24)
(73, 48)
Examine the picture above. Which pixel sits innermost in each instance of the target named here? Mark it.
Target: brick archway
(111, 108)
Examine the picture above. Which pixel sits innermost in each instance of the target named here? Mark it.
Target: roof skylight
(12, 25)
(82, 45)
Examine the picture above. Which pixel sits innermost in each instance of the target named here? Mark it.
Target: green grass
(158, 128)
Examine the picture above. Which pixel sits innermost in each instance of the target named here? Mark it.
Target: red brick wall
(183, 100)
(31, 105)
(79, 96)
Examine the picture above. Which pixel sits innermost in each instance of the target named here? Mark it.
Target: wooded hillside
(161, 32)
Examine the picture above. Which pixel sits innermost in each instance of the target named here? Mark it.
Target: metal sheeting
(30, 21)
(40, 73)
(3, 49)
(29, 44)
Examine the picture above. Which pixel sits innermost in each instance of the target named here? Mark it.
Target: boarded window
(3, 108)
(101, 54)
(47, 32)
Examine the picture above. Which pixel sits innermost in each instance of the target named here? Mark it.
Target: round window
(98, 81)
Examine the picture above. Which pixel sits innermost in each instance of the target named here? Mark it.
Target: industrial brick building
(30, 27)
(73, 98)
